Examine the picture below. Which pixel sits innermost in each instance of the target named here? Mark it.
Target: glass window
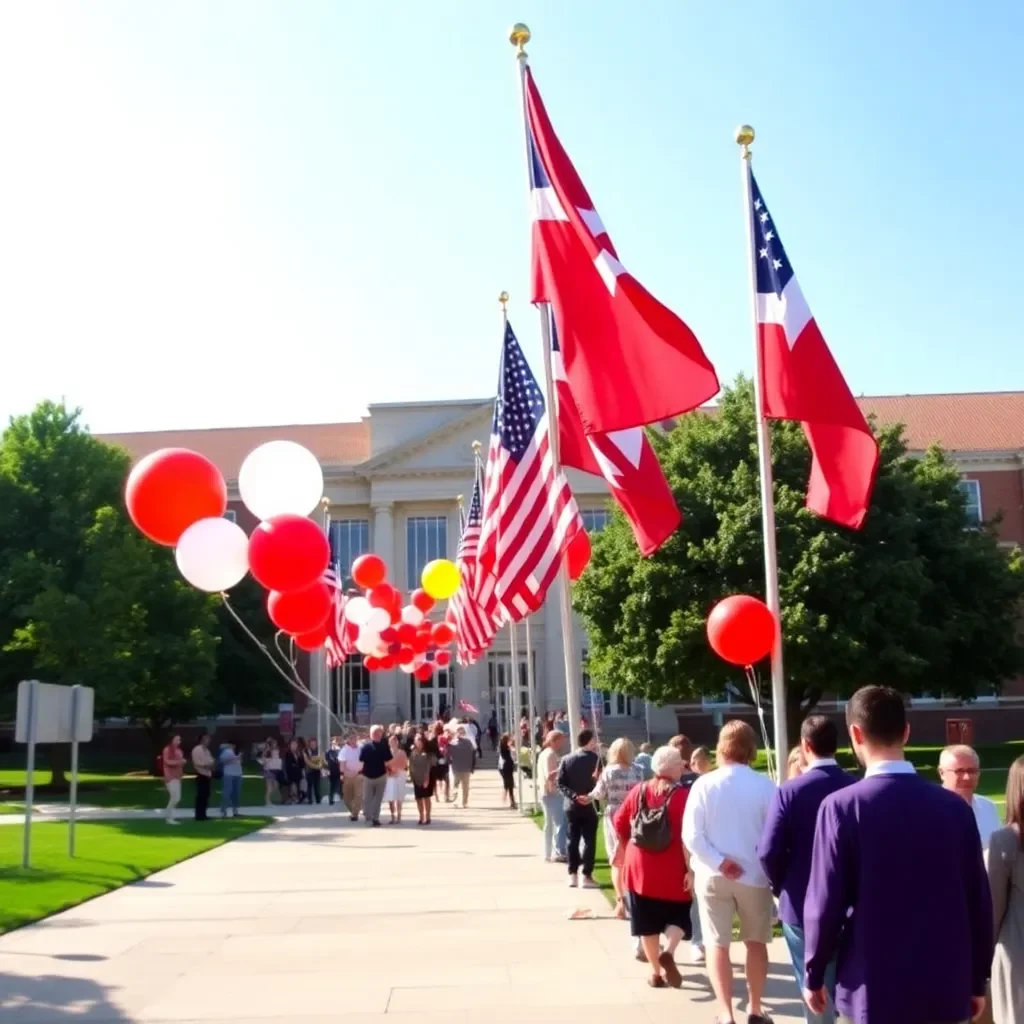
(347, 681)
(971, 490)
(231, 515)
(350, 538)
(426, 539)
(595, 519)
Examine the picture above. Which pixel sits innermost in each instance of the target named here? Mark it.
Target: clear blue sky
(265, 212)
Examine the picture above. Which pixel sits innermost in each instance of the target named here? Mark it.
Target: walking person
(374, 756)
(462, 756)
(649, 833)
(492, 729)
(960, 773)
(231, 779)
(270, 762)
(577, 775)
(421, 771)
(398, 768)
(351, 776)
(441, 778)
(333, 770)
(555, 834)
(1005, 862)
(898, 893)
(173, 758)
(724, 819)
(613, 786)
(294, 767)
(202, 762)
(788, 840)
(507, 769)
(314, 763)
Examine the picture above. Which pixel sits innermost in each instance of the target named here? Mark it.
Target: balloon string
(291, 677)
(755, 693)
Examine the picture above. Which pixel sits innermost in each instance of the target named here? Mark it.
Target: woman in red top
(657, 882)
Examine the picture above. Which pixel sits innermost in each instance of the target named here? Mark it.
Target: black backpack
(651, 828)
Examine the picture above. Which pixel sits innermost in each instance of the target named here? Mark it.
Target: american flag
(529, 516)
(336, 647)
(473, 610)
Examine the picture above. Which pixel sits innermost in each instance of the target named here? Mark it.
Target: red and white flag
(629, 361)
(530, 520)
(339, 643)
(801, 381)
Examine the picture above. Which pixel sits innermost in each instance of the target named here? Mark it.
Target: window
(595, 519)
(426, 538)
(231, 515)
(347, 682)
(350, 538)
(971, 490)
(498, 673)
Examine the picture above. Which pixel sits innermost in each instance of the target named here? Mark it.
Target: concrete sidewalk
(316, 918)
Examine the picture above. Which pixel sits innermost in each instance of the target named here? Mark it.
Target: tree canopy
(915, 599)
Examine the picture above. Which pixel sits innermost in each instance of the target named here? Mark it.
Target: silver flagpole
(514, 730)
(744, 138)
(519, 36)
(531, 698)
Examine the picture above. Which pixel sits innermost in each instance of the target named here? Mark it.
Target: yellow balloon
(441, 578)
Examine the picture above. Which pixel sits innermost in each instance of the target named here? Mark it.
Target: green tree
(915, 599)
(85, 598)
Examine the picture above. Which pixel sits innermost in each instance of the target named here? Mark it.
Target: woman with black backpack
(649, 825)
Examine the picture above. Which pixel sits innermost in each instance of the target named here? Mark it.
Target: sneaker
(353, 817)
(697, 954)
(560, 858)
(589, 883)
(759, 1018)
(572, 882)
(171, 821)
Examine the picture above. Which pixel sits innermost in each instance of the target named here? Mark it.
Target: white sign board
(53, 713)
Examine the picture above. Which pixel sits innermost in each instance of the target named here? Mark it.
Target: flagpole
(519, 36)
(531, 699)
(744, 138)
(514, 730)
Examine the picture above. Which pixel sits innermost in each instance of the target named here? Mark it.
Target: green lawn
(109, 854)
(105, 789)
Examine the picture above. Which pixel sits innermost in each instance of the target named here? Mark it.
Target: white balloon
(279, 477)
(367, 641)
(213, 554)
(412, 615)
(379, 619)
(358, 610)
(408, 669)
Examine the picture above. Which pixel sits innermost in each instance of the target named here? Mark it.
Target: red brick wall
(1003, 491)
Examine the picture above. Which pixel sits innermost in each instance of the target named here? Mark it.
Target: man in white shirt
(351, 770)
(722, 825)
(960, 772)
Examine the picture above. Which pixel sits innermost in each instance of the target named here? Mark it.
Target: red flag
(629, 360)
(801, 381)
(624, 458)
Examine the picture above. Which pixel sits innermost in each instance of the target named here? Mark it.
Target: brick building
(393, 479)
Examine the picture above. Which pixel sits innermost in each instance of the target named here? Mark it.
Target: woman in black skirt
(507, 767)
(421, 771)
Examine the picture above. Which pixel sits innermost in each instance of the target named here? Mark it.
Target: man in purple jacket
(898, 890)
(788, 837)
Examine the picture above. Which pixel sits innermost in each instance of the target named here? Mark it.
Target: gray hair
(666, 758)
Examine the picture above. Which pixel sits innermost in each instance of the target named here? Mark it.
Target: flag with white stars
(801, 381)
(629, 360)
(529, 518)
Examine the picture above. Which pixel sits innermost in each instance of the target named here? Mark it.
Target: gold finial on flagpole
(519, 36)
(503, 299)
(459, 499)
(477, 446)
(744, 138)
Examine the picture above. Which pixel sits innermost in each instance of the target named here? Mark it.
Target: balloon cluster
(178, 498)
(393, 635)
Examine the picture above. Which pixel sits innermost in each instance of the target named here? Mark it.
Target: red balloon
(405, 656)
(351, 632)
(419, 644)
(383, 596)
(422, 600)
(442, 658)
(368, 571)
(388, 661)
(300, 611)
(741, 629)
(394, 647)
(288, 552)
(424, 672)
(371, 663)
(312, 640)
(406, 633)
(578, 555)
(171, 489)
(442, 634)
(389, 634)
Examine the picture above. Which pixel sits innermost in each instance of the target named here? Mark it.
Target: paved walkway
(315, 919)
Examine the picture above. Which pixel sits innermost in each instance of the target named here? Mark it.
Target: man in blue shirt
(374, 756)
(788, 838)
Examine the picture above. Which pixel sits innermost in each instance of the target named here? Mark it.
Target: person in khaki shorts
(351, 780)
(722, 825)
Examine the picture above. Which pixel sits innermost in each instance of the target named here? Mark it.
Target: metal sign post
(30, 769)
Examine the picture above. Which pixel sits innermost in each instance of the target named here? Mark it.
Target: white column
(384, 703)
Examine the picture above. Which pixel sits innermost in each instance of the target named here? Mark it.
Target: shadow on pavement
(53, 999)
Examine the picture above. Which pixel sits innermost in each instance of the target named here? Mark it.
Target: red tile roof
(331, 443)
